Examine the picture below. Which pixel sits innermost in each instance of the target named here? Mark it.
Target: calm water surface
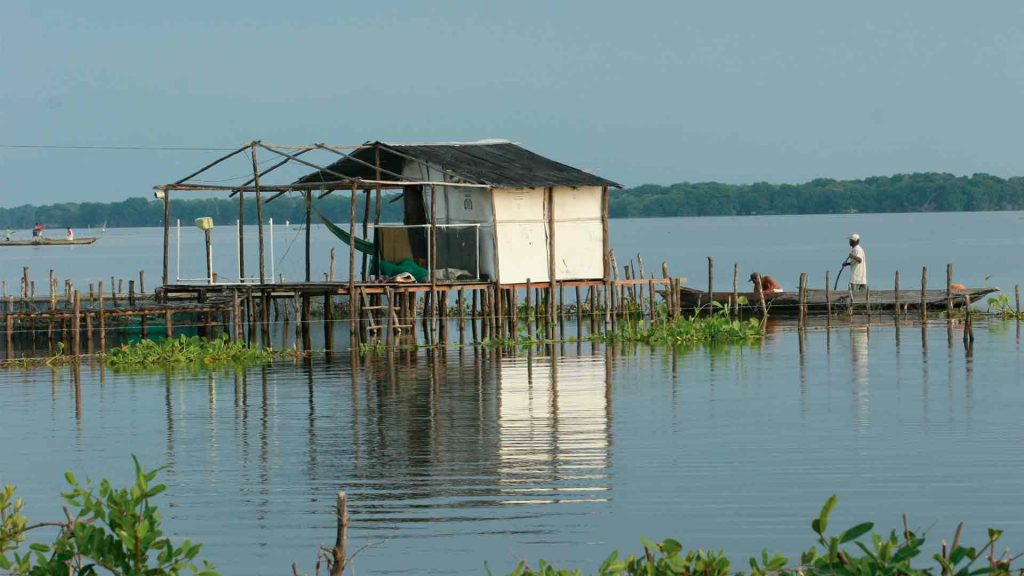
(562, 454)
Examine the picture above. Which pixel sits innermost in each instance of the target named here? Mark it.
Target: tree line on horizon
(920, 192)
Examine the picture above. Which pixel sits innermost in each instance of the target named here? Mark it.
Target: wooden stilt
(101, 313)
(329, 320)
(949, 290)
(736, 289)
(460, 303)
(924, 295)
(353, 320)
(76, 324)
(711, 282)
(474, 314)
(828, 298)
(897, 294)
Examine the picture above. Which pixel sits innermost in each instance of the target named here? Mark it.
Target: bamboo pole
(474, 314)
(236, 315)
(352, 322)
(259, 214)
(433, 260)
(76, 319)
(241, 236)
(167, 236)
(803, 298)
(760, 296)
(529, 310)
(711, 283)
(736, 289)
(640, 288)
(460, 303)
(102, 318)
(924, 294)
(366, 229)
(897, 294)
(1016, 293)
(308, 213)
(949, 290)
(552, 268)
(828, 299)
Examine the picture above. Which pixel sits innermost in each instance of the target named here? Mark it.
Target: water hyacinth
(184, 351)
(714, 328)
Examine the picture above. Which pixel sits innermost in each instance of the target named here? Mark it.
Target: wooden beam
(295, 157)
(259, 212)
(604, 230)
(309, 211)
(167, 235)
(358, 161)
(353, 326)
(212, 164)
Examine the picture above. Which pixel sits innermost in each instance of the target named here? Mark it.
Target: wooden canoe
(50, 241)
(783, 303)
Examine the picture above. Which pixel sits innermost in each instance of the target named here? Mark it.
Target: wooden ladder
(386, 313)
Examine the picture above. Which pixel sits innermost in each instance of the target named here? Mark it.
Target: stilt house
(500, 212)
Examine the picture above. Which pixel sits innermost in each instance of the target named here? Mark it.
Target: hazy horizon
(649, 93)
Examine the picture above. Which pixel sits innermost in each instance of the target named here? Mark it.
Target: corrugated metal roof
(496, 163)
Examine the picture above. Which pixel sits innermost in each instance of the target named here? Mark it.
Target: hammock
(384, 267)
(364, 246)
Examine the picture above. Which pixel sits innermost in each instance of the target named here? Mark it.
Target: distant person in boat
(768, 284)
(858, 263)
(37, 233)
(8, 234)
(71, 233)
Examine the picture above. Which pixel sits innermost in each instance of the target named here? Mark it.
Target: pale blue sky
(644, 92)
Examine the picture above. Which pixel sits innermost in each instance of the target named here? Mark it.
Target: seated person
(768, 284)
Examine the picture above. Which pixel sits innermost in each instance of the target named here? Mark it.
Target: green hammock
(384, 267)
(364, 246)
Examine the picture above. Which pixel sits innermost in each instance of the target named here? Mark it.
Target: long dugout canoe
(783, 303)
(50, 241)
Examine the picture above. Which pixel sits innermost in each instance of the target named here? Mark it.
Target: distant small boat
(50, 241)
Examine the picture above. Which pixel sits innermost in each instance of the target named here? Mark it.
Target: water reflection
(554, 430)
(461, 456)
(859, 351)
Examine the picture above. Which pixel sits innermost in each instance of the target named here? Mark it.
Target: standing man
(858, 263)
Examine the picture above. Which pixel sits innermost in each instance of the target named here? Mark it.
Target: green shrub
(106, 530)
(846, 554)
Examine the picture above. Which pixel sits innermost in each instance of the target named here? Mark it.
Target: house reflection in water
(554, 429)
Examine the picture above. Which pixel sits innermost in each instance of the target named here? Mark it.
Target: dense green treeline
(925, 192)
(150, 212)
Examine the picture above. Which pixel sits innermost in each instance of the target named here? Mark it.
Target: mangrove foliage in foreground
(105, 530)
(852, 552)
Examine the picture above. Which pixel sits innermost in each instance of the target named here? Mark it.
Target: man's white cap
(855, 237)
